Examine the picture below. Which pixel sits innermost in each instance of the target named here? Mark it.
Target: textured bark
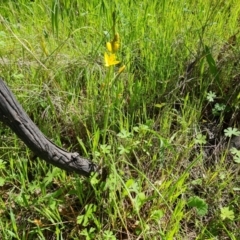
(13, 115)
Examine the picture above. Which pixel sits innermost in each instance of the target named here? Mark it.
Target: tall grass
(150, 126)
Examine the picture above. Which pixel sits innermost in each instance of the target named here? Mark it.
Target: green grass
(150, 127)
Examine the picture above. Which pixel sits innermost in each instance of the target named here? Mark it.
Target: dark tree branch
(13, 115)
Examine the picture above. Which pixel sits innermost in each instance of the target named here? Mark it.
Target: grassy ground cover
(159, 121)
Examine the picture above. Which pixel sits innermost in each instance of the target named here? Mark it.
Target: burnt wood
(13, 115)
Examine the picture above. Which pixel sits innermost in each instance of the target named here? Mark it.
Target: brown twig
(13, 115)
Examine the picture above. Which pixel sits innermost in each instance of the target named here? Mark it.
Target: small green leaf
(123, 150)
(200, 139)
(197, 182)
(124, 134)
(219, 107)
(200, 205)
(105, 148)
(130, 182)
(229, 132)
(226, 213)
(236, 154)
(80, 219)
(2, 164)
(157, 215)
(160, 105)
(211, 96)
(2, 181)
(236, 159)
(235, 151)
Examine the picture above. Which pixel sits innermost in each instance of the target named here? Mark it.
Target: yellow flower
(121, 69)
(114, 45)
(110, 59)
(115, 42)
(37, 222)
(109, 46)
(116, 37)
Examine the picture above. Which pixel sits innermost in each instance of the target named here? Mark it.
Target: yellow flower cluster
(112, 47)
